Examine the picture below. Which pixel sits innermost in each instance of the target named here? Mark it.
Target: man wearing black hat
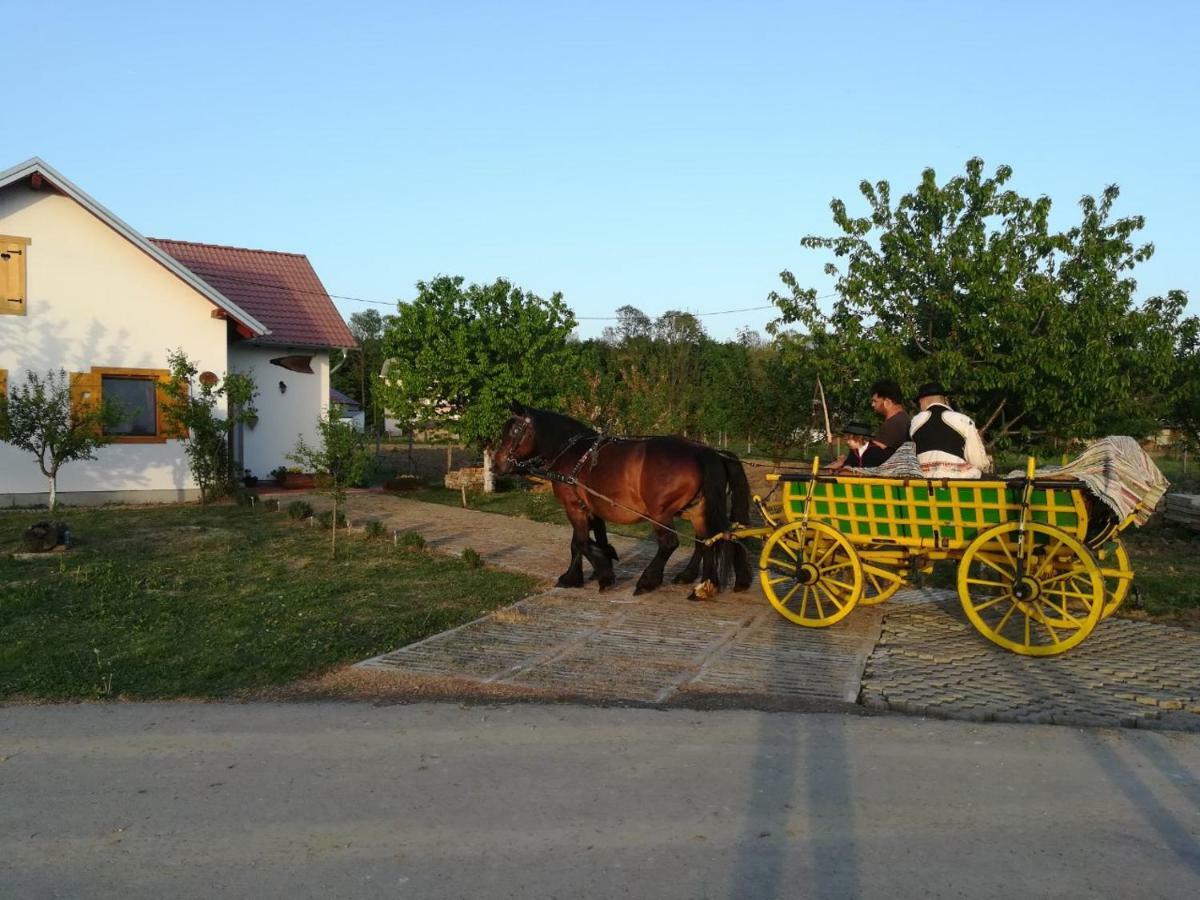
(948, 446)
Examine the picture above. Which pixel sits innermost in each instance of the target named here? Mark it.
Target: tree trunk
(54, 491)
(489, 476)
(449, 457)
(333, 529)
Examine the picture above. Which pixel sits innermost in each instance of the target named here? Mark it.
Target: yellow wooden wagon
(1039, 560)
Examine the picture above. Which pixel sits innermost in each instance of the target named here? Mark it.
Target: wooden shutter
(85, 393)
(13, 253)
(167, 428)
(3, 382)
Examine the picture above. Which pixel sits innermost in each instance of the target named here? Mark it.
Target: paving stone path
(930, 661)
(915, 654)
(657, 648)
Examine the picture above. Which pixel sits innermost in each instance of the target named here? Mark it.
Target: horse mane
(553, 430)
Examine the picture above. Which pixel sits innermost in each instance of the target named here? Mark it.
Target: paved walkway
(915, 654)
(657, 648)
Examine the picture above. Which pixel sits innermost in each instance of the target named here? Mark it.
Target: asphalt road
(353, 800)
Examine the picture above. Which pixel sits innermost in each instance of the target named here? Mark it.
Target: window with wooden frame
(13, 253)
(140, 395)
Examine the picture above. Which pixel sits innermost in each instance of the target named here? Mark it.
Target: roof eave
(64, 184)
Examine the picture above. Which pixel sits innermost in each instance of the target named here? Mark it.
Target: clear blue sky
(667, 155)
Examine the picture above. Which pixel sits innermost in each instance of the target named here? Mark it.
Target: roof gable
(38, 168)
(279, 289)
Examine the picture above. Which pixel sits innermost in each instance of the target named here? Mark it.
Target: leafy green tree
(467, 352)
(340, 461)
(195, 406)
(1034, 329)
(39, 417)
(358, 376)
(1184, 413)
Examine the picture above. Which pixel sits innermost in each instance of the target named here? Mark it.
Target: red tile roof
(281, 290)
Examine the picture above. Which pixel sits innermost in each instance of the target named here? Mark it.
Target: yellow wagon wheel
(879, 583)
(1117, 574)
(1052, 605)
(810, 573)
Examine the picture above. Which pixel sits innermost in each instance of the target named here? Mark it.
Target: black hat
(931, 389)
(862, 429)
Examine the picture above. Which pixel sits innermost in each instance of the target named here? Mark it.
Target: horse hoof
(605, 585)
(611, 552)
(565, 582)
(644, 588)
(683, 578)
(741, 588)
(705, 590)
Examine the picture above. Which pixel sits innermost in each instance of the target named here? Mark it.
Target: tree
(1185, 388)
(341, 460)
(39, 417)
(192, 407)
(1035, 330)
(470, 351)
(358, 376)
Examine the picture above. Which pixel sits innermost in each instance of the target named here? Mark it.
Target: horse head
(518, 441)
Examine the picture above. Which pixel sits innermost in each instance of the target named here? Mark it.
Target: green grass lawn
(182, 601)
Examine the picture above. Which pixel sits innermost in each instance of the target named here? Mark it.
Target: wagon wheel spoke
(1047, 560)
(790, 594)
(832, 596)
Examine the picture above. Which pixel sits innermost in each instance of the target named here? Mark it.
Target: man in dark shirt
(888, 401)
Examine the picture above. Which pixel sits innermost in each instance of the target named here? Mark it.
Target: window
(139, 406)
(140, 398)
(13, 251)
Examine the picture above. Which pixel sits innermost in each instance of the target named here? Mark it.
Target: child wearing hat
(863, 452)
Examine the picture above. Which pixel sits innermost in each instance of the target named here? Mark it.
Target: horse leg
(688, 573)
(601, 531)
(653, 575)
(709, 575)
(581, 546)
(573, 577)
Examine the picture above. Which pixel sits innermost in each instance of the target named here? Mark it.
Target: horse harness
(589, 458)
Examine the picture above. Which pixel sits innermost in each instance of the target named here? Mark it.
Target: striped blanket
(1115, 469)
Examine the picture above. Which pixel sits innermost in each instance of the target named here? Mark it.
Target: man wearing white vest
(948, 446)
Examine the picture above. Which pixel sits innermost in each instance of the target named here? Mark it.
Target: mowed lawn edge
(221, 601)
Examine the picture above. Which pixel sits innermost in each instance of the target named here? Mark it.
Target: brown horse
(625, 481)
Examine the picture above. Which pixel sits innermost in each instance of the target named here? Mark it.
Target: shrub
(298, 509)
(325, 519)
(472, 558)
(374, 529)
(410, 540)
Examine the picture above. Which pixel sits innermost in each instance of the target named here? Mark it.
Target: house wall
(282, 416)
(95, 299)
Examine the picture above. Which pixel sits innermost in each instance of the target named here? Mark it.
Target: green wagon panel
(925, 514)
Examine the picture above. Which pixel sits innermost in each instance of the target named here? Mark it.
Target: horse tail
(734, 555)
(715, 488)
(739, 488)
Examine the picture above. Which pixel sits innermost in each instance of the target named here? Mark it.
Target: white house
(85, 292)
